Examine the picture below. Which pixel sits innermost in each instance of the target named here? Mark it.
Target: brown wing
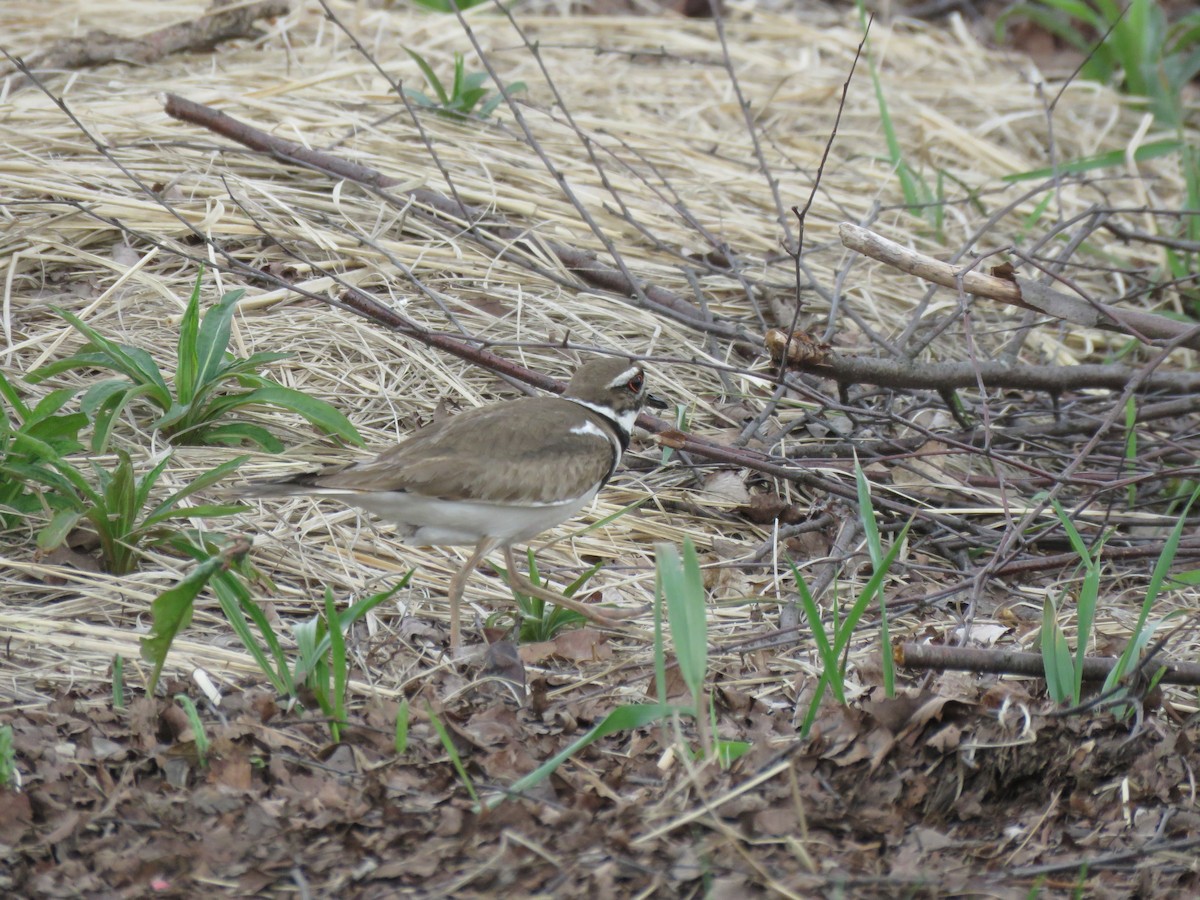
(486, 454)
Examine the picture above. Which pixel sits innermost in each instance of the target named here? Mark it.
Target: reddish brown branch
(582, 263)
(1009, 662)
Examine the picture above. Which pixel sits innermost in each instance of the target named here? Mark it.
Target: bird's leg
(458, 582)
(518, 582)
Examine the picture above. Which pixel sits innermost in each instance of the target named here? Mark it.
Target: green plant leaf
(171, 612)
(132, 362)
(213, 338)
(1056, 656)
(187, 361)
(235, 434)
(55, 533)
(109, 412)
(430, 77)
(1143, 153)
(235, 367)
(199, 483)
(337, 665)
(317, 412)
(623, 718)
(238, 606)
(683, 587)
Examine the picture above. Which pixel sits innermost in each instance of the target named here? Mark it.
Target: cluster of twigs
(1023, 434)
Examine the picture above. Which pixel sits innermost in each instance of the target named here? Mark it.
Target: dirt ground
(965, 784)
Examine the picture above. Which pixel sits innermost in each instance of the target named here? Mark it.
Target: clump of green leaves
(539, 620)
(209, 384)
(831, 646)
(321, 654)
(30, 437)
(118, 508)
(1130, 45)
(1064, 669)
(465, 93)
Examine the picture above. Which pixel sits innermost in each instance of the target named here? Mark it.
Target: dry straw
(655, 100)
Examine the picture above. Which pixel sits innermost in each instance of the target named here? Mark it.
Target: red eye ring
(635, 383)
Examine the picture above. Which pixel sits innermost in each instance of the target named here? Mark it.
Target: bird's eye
(635, 383)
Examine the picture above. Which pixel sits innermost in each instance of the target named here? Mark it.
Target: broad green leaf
(48, 406)
(59, 432)
(187, 359)
(318, 412)
(55, 533)
(683, 587)
(213, 338)
(86, 358)
(171, 612)
(236, 434)
(132, 362)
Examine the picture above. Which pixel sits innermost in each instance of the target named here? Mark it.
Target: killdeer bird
(496, 475)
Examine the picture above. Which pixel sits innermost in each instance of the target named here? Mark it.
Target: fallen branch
(1020, 292)
(1009, 662)
(582, 263)
(820, 359)
(96, 48)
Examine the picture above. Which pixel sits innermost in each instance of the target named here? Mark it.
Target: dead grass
(656, 102)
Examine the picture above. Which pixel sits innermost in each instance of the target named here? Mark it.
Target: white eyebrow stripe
(625, 377)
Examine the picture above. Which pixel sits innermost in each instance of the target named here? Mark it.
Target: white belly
(429, 522)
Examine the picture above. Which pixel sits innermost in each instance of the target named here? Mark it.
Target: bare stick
(820, 359)
(1017, 291)
(1007, 662)
(97, 48)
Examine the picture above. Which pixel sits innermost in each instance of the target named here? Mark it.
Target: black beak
(656, 401)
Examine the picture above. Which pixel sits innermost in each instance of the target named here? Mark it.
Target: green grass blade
(452, 752)
(235, 603)
(199, 483)
(683, 586)
(337, 664)
(623, 718)
(1114, 158)
(430, 77)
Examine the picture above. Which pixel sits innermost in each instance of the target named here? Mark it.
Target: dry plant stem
(97, 48)
(1005, 662)
(850, 370)
(1020, 292)
(582, 263)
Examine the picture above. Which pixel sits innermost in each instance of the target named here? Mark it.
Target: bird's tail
(288, 486)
